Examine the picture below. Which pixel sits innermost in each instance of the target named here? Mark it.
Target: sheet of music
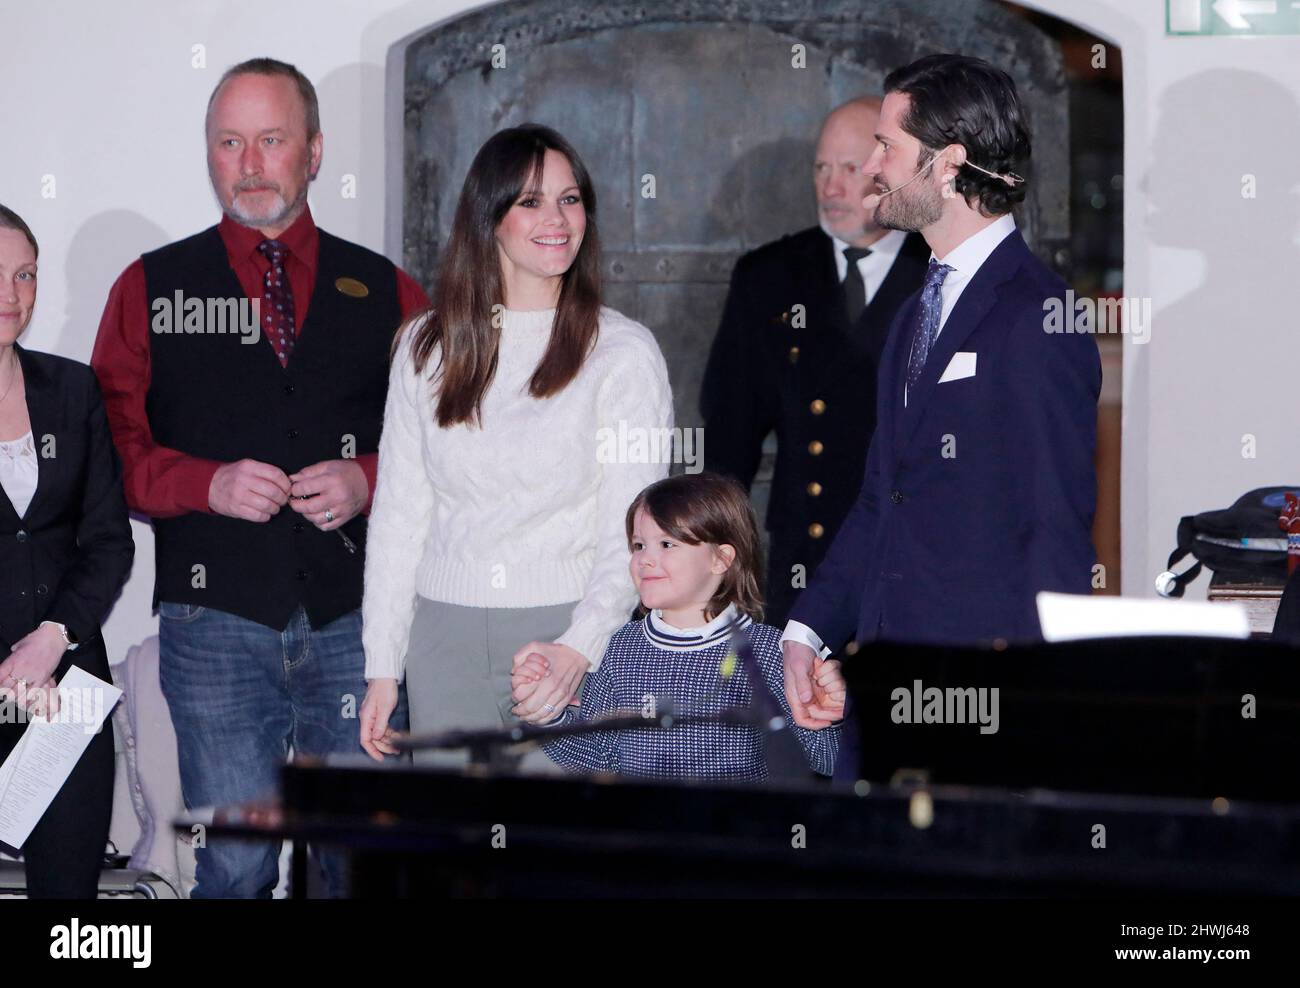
(43, 759)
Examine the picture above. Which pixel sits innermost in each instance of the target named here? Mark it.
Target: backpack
(1243, 541)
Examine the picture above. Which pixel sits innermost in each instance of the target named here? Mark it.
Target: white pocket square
(962, 365)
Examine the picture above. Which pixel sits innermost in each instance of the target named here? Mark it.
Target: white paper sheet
(44, 757)
(1067, 617)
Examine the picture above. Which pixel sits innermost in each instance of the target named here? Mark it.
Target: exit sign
(1247, 18)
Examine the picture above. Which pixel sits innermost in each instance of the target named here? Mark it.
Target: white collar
(969, 255)
(668, 636)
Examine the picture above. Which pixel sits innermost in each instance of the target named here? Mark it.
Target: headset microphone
(875, 199)
(867, 202)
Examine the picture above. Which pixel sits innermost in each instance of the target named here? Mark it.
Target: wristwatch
(69, 640)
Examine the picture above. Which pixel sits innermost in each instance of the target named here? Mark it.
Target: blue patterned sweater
(649, 664)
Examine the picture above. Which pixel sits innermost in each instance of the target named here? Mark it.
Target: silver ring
(548, 707)
(329, 515)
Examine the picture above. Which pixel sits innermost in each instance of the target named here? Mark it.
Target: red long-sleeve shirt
(162, 482)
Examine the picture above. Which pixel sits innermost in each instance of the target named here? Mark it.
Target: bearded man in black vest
(244, 371)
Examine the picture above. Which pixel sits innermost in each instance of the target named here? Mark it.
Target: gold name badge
(352, 287)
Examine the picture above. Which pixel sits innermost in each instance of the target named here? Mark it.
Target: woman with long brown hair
(496, 530)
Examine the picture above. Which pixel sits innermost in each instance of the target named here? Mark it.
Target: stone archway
(704, 96)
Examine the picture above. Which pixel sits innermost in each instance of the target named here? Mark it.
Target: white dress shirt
(18, 471)
(965, 260)
(874, 268)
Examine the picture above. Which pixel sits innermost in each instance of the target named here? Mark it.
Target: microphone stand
(781, 749)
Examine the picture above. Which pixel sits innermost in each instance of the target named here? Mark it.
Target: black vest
(214, 396)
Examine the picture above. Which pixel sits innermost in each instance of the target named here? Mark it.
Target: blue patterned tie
(928, 330)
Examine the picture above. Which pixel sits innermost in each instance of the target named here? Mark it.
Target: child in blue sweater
(695, 563)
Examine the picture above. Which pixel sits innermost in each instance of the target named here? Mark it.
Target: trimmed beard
(913, 208)
(258, 222)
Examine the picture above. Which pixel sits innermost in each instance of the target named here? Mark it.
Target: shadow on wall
(101, 249)
(1242, 219)
(787, 163)
(347, 198)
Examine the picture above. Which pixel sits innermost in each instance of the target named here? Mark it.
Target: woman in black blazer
(65, 551)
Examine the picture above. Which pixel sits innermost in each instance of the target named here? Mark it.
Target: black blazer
(67, 557)
(805, 374)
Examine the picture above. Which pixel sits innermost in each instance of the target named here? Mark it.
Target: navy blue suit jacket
(981, 491)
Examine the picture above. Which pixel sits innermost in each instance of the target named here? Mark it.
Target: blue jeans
(240, 695)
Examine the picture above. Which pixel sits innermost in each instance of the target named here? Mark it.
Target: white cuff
(804, 635)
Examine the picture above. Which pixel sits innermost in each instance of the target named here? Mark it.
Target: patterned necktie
(928, 328)
(277, 301)
(855, 291)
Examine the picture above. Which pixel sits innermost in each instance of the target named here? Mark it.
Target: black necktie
(855, 292)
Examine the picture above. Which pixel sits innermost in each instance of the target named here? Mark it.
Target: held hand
(527, 674)
(28, 672)
(557, 689)
(335, 487)
(799, 662)
(829, 692)
(249, 490)
(376, 708)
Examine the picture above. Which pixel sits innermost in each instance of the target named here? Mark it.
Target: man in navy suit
(980, 488)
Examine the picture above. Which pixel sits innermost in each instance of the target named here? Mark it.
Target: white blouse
(18, 471)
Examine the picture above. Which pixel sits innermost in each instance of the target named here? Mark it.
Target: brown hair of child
(709, 509)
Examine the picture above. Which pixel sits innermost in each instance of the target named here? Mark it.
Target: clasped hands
(328, 494)
(544, 679)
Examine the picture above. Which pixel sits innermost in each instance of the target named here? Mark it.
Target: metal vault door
(711, 106)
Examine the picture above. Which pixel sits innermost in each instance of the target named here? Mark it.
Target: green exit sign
(1247, 18)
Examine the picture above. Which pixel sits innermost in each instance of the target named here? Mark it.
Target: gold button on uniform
(815, 447)
(815, 489)
(817, 407)
(816, 530)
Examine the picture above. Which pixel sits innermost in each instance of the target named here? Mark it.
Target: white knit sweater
(527, 510)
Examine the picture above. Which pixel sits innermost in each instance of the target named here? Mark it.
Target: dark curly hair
(958, 99)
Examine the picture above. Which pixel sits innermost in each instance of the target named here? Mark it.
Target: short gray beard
(252, 220)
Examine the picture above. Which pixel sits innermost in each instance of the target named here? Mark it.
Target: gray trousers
(458, 664)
